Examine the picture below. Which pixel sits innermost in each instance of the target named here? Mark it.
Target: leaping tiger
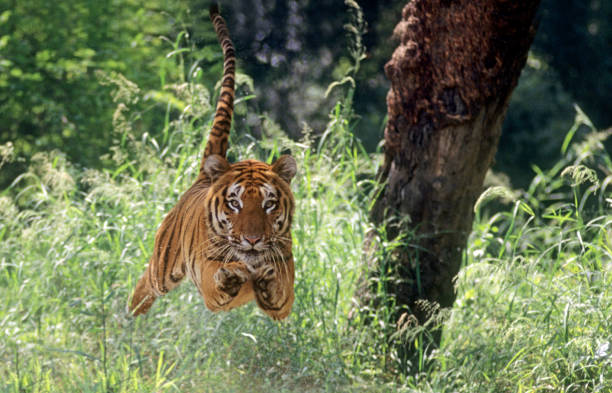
(231, 230)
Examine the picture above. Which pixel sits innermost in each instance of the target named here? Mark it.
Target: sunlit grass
(75, 241)
(534, 307)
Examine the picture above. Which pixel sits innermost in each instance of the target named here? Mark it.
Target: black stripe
(266, 306)
(223, 109)
(217, 208)
(223, 130)
(161, 236)
(222, 116)
(285, 211)
(165, 260)
(223, 122)
(215, 217)
(210, 218)
(218, 131)
(180, 224)
(241, 178)
(228, 103)
(152, 261)
(193, 236)
(192, 256)
(157, 258)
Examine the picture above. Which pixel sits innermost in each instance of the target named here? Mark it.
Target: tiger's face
(250, 206)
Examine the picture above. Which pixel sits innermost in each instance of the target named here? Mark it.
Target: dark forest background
(56, 59)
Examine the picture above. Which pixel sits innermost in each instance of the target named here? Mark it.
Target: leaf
(346, 79)
(500, 192)
(580, 174)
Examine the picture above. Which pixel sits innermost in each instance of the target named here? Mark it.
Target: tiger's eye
(269, 205)
(234, 203)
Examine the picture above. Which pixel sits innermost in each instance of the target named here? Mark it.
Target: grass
(533, 313)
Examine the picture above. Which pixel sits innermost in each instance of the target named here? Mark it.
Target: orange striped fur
(217, 140)
(231, 230)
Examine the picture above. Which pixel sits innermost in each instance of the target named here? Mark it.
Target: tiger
(230, 232)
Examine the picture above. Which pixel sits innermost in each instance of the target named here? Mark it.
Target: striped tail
(218, 138)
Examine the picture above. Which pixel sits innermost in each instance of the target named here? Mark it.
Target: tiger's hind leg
(166, 267)
(143, 296)
(150, 288)
(273, 286)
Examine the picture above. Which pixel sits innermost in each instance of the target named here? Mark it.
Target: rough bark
(451, 78)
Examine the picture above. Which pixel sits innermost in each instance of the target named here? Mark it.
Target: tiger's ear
(285, 167)
(215, 166)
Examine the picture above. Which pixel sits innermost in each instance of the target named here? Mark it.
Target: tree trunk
(451, 79)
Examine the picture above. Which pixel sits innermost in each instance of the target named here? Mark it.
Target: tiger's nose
(252, 239)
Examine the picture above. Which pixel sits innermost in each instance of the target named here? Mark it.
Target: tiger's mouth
(250, 249)
(251, 253)
(253, 258)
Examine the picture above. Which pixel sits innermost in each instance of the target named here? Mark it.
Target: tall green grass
(74, 242)
(534, 306)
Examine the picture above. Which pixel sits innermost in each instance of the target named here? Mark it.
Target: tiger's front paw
(230, 280)
(268, 290)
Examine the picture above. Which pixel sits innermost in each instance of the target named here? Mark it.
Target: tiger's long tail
(218, 138)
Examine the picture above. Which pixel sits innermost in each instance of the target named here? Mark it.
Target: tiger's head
(250, 207)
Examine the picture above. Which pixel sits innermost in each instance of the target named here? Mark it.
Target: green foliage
(51, 54)
(533, 311)
(75, 242)
(534, 305)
